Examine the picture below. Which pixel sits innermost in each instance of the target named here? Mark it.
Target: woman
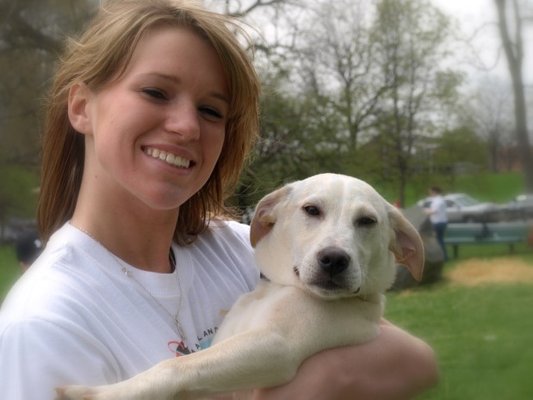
(150, 120)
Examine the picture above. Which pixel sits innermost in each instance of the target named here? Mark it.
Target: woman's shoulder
(230, 232)
(56, 285)
(42, 292)
(225, 245)
(238, 228)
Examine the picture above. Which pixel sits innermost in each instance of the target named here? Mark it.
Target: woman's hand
(395, 365)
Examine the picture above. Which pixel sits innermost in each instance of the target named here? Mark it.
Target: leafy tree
(337, 65)
(410, 37)
(489, 111)
(459, 146)
(294, 142)
(31, 35)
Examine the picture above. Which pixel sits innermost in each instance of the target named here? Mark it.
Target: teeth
(169, 158)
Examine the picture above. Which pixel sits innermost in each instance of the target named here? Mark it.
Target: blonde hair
(102, 54)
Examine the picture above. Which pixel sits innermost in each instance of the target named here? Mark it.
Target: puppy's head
(335, 236)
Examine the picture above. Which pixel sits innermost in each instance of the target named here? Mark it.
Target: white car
(461, 207)
(521, 207)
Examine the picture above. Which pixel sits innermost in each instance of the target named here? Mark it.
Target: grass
(490, 250)
(484, 186)
(498, 188)
(482, 336)
(9, 269)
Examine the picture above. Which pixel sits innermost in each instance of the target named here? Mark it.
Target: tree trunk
(514, 55)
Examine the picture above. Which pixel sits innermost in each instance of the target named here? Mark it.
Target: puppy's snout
(333, 260)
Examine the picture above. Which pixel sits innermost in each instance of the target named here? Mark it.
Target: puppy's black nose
(333, 260)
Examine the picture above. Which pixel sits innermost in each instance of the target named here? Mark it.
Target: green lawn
(498, 188)
(9, 269)
(483, 336)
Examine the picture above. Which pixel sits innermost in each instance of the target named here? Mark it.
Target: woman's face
(156, 133)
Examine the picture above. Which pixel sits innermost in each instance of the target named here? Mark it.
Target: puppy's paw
(74, 393)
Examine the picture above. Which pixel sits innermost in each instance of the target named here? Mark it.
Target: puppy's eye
(366, 221)
(313, 211)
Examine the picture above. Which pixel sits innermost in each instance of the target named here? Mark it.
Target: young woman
(150, 119)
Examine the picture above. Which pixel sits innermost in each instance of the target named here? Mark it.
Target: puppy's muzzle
(333, 261)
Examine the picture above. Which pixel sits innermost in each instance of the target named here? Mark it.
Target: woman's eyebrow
(175, 80)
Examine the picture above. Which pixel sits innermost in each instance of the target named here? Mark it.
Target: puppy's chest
(288, 310)
(256, 309)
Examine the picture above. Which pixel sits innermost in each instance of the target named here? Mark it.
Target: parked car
(461, 207)
(521, 207)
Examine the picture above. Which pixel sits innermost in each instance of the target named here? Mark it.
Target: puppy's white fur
(327, 245)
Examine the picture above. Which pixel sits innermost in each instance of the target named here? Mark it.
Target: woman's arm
(395, 365)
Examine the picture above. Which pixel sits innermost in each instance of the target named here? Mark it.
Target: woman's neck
(142, 239)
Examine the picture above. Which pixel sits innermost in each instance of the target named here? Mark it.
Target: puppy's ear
(407, 244)
(264, 218)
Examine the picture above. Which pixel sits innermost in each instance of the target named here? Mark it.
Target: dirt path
(496, 270)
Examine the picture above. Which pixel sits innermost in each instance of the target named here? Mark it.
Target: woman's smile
(169, 158)
(157, 131)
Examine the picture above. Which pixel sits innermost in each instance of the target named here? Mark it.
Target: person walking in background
(438, 217)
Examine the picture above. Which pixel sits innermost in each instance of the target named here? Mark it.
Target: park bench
(486, 233)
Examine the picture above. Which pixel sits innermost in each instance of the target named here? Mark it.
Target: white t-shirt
(76, 318)
(438, 210)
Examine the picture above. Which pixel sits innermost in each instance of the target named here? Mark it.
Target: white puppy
(327, 245)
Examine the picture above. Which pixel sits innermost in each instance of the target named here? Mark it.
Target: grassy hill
(497, 188)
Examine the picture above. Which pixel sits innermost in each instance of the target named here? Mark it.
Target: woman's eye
(211, 113)
(313, 211)
(157, 94)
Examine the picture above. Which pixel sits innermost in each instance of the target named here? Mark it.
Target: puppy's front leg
(251, 359)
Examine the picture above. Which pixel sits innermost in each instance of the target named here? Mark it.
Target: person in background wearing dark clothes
(28, 246)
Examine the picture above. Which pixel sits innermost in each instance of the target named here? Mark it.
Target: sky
(477, 19)
(483, 56)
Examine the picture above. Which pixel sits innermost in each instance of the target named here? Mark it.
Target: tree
(410, 37)
(31, 36)
(294, 142)
(490, 112)
(509, 14)
(337, 65)
(459, 147)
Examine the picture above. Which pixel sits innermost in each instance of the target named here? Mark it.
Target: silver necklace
(131, 276)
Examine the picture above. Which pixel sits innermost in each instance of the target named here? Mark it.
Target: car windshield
(465, 200)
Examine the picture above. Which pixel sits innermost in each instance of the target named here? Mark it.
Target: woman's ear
(78, 108)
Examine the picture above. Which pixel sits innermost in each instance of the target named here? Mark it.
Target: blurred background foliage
(370, 88)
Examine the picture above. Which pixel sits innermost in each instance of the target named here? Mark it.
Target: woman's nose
(183, 119)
